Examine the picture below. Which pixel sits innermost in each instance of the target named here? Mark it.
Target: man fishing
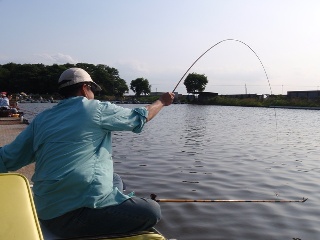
(76, 192)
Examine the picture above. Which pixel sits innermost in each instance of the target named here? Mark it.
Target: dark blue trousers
(135, 214)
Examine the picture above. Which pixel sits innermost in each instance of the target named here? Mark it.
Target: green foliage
(42, 79)
(148, 99)
(109, 80)
(139, 86)
(195, 82)
(226, 101)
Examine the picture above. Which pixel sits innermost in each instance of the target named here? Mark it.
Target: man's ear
(83, 91)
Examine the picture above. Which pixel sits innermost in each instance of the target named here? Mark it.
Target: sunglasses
(92, 87)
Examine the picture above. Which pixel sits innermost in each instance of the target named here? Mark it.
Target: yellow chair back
(18, 217)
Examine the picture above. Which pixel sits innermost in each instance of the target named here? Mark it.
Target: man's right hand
(167, 98)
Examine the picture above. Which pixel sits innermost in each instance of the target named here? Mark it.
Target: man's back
(72, 145)
(69, 144)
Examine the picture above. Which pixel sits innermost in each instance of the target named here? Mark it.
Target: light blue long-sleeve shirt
(71, 147)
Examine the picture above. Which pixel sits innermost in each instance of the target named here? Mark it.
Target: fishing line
(236, 40)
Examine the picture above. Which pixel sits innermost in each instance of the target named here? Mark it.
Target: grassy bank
(256, 102)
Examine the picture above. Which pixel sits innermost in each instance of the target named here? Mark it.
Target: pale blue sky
(159, 40)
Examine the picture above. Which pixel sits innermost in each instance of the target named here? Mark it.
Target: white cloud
(58, 58)
(45, 58)
(132, 67)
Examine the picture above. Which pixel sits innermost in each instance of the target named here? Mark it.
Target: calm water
(214, 152)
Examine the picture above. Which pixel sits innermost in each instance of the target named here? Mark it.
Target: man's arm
(18, 153)
(165, 100)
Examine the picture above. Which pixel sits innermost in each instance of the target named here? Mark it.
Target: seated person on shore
(76, 192)
(5, 103)
(2, 100)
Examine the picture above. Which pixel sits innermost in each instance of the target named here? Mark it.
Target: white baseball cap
(73, 76)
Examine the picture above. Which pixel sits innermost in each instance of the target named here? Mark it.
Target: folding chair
(18, 216)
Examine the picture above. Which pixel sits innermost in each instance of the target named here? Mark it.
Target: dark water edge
(215, 152)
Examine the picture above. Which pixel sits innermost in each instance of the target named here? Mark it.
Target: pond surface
(217, 152)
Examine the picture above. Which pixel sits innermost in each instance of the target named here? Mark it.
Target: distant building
(156, 93)
(203, 96)
(312, 94)
(242, 96)
(176, 94)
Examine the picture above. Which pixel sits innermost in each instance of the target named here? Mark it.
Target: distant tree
(109, 80)
(120, 87)
(42, 79)
(139, 86)
(195, 82)
(4, 78)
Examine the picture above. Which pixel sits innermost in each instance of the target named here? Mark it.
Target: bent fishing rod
(153, 197)
(229, 39)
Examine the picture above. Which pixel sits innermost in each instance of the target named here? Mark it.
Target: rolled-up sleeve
(117, 118)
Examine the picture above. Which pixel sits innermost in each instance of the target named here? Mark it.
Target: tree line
(43, 79)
